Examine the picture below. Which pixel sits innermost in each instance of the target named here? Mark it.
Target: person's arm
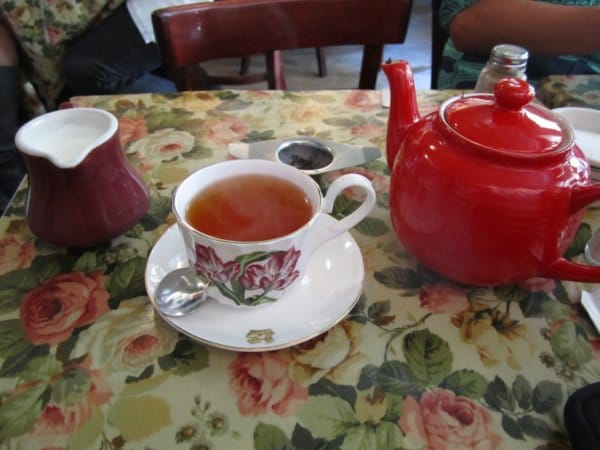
(543, 28)
(8, 49)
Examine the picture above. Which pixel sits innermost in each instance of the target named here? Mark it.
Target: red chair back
(190, 34)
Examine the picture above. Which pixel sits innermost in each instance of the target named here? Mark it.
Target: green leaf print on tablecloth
(520, 403)
(428, 356)
(271, 437)
(18, 414)
(127, 280)
(571, 345)
(466, 382)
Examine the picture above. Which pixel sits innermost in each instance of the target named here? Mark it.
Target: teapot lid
(508, 122)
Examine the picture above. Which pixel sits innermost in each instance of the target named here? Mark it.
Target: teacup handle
(338, 227)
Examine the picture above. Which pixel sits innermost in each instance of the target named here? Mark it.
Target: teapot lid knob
(506, 122)
(513, 93)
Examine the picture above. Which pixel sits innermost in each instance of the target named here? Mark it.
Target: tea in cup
(250, 226)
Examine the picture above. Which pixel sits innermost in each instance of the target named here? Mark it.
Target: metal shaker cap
(509, 55)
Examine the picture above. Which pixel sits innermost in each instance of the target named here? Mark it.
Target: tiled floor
(343, 63)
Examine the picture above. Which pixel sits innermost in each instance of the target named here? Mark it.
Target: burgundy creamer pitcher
(490, 189)
(82, 189)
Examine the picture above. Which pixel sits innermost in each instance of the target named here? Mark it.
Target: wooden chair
(190, 34)
(321, 63)
(248, 78)
(439, 36)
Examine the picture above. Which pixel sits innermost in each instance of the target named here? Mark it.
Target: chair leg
(191, 77)
(371, 63)
(245, 65)
(321, 61)
(275, 75)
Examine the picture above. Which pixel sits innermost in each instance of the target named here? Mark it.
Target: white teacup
(258, 272)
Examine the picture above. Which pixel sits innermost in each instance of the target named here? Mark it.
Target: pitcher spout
(404, 110)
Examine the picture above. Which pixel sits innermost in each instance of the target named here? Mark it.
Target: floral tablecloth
(570, 90)
(420, 362)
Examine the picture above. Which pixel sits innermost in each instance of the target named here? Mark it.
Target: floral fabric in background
(44, 29)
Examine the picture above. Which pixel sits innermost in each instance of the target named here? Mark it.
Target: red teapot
(488, 190)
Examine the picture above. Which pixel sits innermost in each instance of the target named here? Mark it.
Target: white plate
(322, 298)
(586, 124)
(591, 303)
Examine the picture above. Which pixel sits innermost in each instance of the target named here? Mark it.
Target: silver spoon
(180, 292)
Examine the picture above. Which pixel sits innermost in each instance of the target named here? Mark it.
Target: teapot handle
(582, 196)
(565, 269)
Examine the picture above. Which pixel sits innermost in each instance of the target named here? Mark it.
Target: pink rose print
(131, 130)
(274, 274)
(144, 166)
(366, 129)
(60, 419)
(257, 94)
(595, 344)
(223, 131)
(362, 100)
(52, 311)
(261, 384)
(54, 35)
(164, 144)
(140, 349)
(173, 147)
(537, 284)
(15, 254)
(380, 182)
(445, 421)
(443, 299)
(208, 263)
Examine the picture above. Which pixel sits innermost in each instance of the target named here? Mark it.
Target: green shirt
(460, 70)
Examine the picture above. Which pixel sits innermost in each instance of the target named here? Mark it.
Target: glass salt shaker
(506, 61)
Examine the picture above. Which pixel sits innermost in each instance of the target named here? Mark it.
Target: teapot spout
(404, 110)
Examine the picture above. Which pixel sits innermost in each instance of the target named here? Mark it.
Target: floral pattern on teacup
(249, 278)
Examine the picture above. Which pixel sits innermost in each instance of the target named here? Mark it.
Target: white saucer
(322, 298)
(586, 124)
